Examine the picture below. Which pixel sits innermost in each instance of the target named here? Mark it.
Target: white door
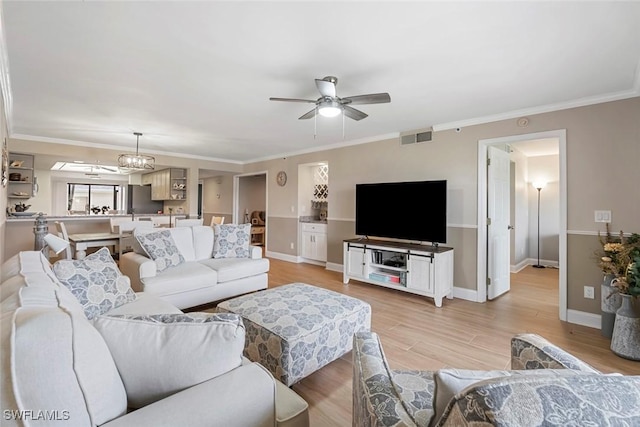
(498, 211)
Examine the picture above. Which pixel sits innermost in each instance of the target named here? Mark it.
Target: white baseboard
(332, 266)
(519, 266)
(283, 257)
(583, 318)
(465, 294)
(545, 262)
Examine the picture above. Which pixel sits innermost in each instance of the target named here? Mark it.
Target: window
(94, 198)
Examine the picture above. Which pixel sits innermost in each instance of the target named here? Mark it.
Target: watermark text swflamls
(36, 415)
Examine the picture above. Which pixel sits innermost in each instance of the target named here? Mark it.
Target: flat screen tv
(403, 210)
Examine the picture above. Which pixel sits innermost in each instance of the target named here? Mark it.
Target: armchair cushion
(161, 248)
(96, 282)
(450, 382)
(159, 355)
(231, 240)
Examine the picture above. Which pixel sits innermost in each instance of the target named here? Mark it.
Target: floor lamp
(539, 185)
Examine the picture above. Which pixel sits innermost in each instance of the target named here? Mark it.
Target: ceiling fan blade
(293, 100)
(354, 114)
(326, 88)
(372, 98)
(308, 115)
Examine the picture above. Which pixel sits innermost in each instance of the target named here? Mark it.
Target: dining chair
(126, 238)
(217, 220)
(62, 233)
(183, 222)
(115, 223)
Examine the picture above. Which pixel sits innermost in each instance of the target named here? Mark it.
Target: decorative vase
(610, 301)
(625, 341)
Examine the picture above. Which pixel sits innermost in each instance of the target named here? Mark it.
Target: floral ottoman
(294, 330)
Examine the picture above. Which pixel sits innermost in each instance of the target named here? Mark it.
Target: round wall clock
(281, 178)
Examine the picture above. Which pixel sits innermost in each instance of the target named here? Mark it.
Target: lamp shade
(55, 243)
(539, 184)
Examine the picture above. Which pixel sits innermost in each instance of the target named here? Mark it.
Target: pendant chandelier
(136, 161)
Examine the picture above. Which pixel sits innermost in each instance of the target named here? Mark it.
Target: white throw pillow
(231, 240)
(161, 248)
(96, 282)
(159, 355)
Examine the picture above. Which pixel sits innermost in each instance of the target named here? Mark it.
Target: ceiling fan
(330, 105)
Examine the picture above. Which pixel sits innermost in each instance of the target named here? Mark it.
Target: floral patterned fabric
(589, 399)
(579, 400)
(376, 400)
(296, 329)
(196, 317)
(96, 282)
(161, 248)
(231, 240)
(530, 351)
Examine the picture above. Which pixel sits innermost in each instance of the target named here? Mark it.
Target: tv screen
(403, 210)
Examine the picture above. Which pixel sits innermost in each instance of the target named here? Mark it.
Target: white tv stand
(413, 268)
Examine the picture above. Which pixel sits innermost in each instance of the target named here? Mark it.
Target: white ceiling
(195, 77)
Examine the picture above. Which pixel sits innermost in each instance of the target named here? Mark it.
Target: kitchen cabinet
(21, 177)
(314, 241)
(167, 184)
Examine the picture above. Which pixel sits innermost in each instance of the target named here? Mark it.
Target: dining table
(81, 241)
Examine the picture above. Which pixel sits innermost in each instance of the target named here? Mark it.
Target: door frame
(239, 216)
(561, 136)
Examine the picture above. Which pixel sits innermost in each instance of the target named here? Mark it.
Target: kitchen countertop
(85, 217)
(310, 219)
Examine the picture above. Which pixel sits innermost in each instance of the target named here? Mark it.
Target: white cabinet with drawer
(313, 243)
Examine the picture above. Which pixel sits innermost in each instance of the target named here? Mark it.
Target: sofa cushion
(10, 268)
(231, 240)
(185, 277)
(96, 282)
(146, 303)
(69, 366)
(236, 268)
(450, 382)
(161, 247)
(158, 355)
(202, 241)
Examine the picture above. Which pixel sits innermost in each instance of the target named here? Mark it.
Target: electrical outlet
(589, 292)
(291, 245)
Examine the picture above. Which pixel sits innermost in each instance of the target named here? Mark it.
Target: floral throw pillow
(96, 282)
(161, 248)
(231, 240)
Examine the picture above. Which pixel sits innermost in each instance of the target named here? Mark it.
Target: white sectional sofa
(142, 363)
(201, 279)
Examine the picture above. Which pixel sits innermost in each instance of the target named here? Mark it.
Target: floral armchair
(547, 386)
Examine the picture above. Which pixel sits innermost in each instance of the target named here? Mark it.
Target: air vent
(416, 137)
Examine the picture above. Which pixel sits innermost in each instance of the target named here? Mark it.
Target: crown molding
(582, 102)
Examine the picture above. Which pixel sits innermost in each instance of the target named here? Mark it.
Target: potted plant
(622, 260)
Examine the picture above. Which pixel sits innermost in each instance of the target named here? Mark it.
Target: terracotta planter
(625, 341)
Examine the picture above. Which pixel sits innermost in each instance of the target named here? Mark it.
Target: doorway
(250, 200)
(485, 257)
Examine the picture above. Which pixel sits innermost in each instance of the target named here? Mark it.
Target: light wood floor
(417, 335)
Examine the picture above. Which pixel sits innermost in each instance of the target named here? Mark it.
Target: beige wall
(217, 197)
(602, 173)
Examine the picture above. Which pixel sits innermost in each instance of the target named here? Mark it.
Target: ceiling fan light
(330, 109)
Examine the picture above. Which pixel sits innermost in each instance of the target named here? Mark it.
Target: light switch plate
(602, 216)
